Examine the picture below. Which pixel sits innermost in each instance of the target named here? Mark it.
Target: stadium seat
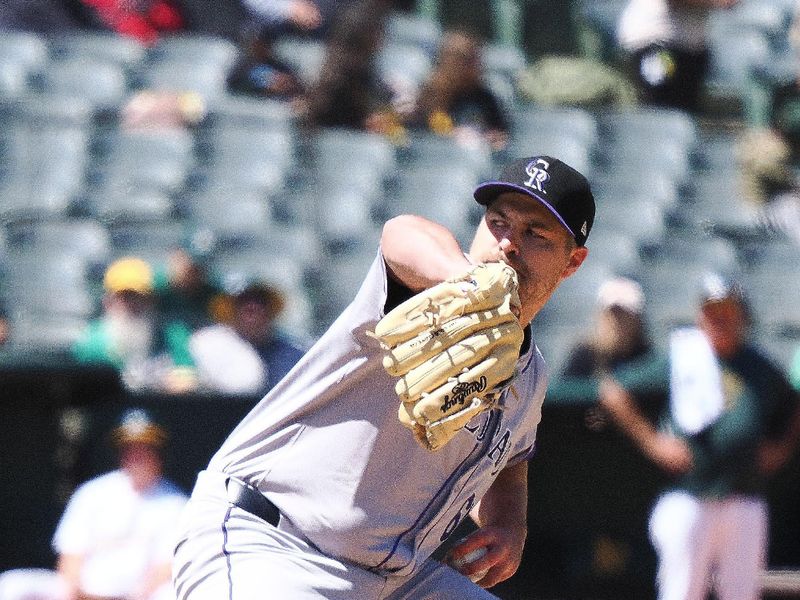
(442, 193)
(103, 84)
(186, 75)
(412, 29)
(48, 282)
(150, 241)
(105, 47)
(718, 203)
(44, 170)
(232, 148)
(55, 111)
(344, 274)
(86, 239)
(529, 120)
(26, 48)
(431, 149)
(635, 153)
(671, 292)
(574, 299)
(303, 55)
(773, 295)
(616, 250)
(646, 225)
(695, 247)
(616, 190)
(340, 149)
(504, 59)
(233, 221)
(153, 158)
(734, 55)
(13, 80)
(192, 48)
(113, 204)
(406, 63)
(649, 125)
(245, 112)
(45, 333)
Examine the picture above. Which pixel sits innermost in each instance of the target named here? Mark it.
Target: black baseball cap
(559, 187)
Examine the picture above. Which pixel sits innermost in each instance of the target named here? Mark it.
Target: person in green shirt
(732, 420)
(130, 336)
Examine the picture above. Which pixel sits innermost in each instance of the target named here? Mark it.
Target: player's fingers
(500, 566)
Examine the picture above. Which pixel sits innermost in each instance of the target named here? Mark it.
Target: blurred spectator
(129, 336)
(455, 100)
(619, 340)
(768, 180)
(144, 20)
(247, 355)
(115, 538)
(667, 46)
(349, 92)
(733, 421)
(794, 373)
(298, 17)
(185, 291)
(162, 109)
(620, 333)
(784, 111)
(259, 72)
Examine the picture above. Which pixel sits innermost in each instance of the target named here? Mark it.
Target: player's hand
(504, 546)
(671, 454)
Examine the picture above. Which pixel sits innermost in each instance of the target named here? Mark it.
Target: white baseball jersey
(120, 532)
(327, 448)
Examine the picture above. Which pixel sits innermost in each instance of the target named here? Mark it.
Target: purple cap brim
(486, 192)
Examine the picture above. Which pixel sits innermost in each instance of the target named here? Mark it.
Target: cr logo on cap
(537, 171)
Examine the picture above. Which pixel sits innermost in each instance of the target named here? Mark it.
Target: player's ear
(576, 257)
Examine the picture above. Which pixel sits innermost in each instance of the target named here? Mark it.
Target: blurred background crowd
(192, 190)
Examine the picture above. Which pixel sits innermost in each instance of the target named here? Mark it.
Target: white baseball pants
(225, 553)
(701, 543)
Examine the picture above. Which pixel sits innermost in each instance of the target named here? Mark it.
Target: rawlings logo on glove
(453, 347)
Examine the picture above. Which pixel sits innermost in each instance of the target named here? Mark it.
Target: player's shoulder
(100, 485)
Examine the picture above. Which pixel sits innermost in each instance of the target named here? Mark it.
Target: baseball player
(329, 488)
(733, 420)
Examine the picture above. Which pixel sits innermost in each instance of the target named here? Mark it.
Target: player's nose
(507, 247)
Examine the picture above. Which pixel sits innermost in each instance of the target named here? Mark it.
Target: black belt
(248, 498)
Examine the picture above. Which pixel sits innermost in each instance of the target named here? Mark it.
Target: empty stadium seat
(407, 28)
(23, 47)
(303, 55)
(431, 149)
(86, 239)
(106, 47)
(103, 84)
(406, 63)
(198, 49)
(649, 124)
(336, 149)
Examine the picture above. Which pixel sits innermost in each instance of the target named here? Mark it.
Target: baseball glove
(453, 348)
